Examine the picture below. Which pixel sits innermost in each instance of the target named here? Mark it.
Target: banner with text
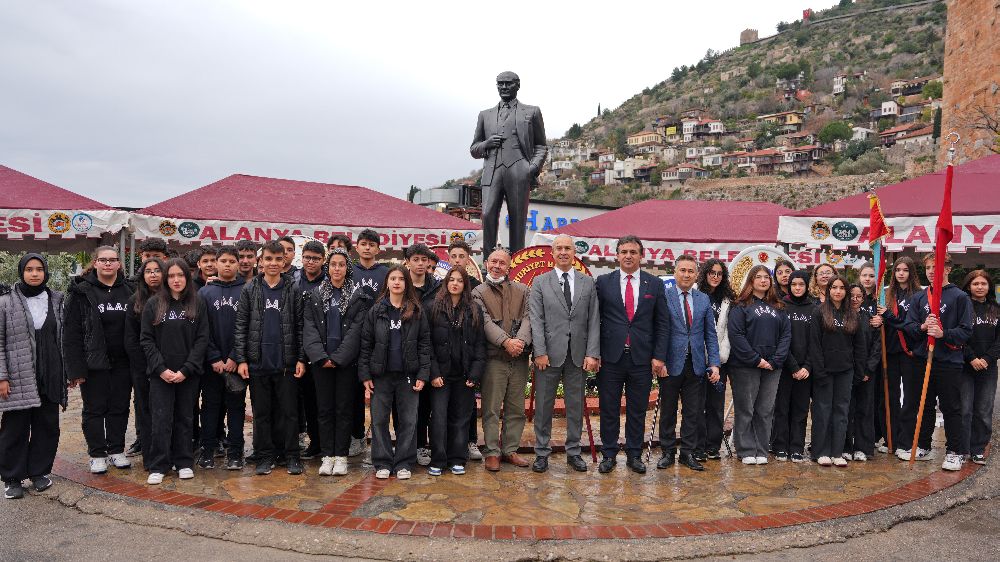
(15, 224)
(655, 251)
(214, 232)
(981, 232)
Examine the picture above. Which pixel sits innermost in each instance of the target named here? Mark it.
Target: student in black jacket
(394, 366)
(267, 352)
(759, 335)
(307, 278)
(979, 376)
(458, 343)
(174, 338)
(952, 332)
(460, 256)
(223, 393)
(899, 362)
(420, 263)
(861, 416)
(782, 277)
(837, 348)
(791, 407)
(333, 317)
(96, 359)
(149, 282)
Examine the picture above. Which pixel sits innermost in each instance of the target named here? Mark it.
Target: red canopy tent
(36, 215)
(256, 208)
(704, 229)
(911, 208)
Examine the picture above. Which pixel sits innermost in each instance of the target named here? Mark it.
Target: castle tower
(748, 36)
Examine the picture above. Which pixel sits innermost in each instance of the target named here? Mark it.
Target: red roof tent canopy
(975, 191)
(252, 198)
(21, 191)
(685, 221)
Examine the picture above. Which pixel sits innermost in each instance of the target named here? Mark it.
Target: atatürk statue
(511, 137)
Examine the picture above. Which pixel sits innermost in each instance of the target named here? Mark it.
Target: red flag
(877, 228)
(942, 237)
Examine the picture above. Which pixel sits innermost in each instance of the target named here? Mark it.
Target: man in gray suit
(566, 324)
(510, 136)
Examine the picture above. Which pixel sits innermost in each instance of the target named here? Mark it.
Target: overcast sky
(131, 102)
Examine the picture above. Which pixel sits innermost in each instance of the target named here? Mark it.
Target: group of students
(185, 338)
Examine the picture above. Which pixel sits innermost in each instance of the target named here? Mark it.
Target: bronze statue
(511, 137)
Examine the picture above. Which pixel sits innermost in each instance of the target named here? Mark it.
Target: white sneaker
(749, 460)
(824, 461)
(953, 461)
(98, 465)
(382, 473)
(860, 457)
(154, 478)
(423, 456)
(922, 454)
(403, 474)
(339, 466)
(846, 456)
(761, 460)
(185, 474)
(881, 447)
(357, 447)
(326, 469)
(839, 461)
(474, 453)
(903, 454)
(120, 461)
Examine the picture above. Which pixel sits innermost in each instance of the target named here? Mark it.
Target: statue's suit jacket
(530, 134)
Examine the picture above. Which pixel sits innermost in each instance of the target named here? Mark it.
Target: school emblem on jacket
(275, 304)
(111, 307)
(370, 284)
(395, 324)
(226, 301)
(761, 310)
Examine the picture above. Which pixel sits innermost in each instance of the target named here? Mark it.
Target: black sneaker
(979, 459)
(234, 463)
(294, 466)
(280, 460)
(13, 491)
(713, 455)
(797, 457)
(134, 450)
(220, 451)
(41, 483)
(265, 466)
(206, 461)
(310, 452)
(253, 457)
(700, 456)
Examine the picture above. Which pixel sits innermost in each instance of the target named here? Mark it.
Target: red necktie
(629, 302)
(687, 308)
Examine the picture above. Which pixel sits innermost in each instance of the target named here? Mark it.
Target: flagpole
(935, 299)
(878, 227)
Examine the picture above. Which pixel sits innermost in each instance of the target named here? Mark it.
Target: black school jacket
(473, 352)
(351, 323)
(375, 345)
(837, 351)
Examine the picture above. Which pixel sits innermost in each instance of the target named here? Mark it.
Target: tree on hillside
(754, 69)
(617, 140)
(766, 135)
(834, 131)
(787, 71)
(574, 132)
(933, 90)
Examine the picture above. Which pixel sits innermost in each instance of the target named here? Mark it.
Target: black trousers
(394, 392)
(143, 417)
(307, 398)
(473, 415)
(860, 419)
(218, 404)
(449, 430)
(637, 381)
(335, 401)
(913, 382)
(979, 389)
(172, 408)
(274, 399)
(899, 367)
(107, 396)
(830, 407)
(710, 428)
(689, 388)
(945, 385)
(424, 412)
(791, 408)
(28, 442)
(358, 411)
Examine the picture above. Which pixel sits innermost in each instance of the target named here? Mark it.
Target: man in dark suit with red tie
(634, 334)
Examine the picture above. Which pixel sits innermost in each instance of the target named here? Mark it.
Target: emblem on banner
(533, 261)
(581, 247)
(167, 228)
(188, 229)
(82, 222)
(820, 230)
(456, 237)
(59, 222)
(845, 231)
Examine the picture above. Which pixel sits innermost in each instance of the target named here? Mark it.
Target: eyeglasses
(153, 272)
(311, 258)
(106, 261)
(714, 273)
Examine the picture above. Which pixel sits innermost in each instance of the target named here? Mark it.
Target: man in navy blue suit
(692, 353)
(634, 329)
